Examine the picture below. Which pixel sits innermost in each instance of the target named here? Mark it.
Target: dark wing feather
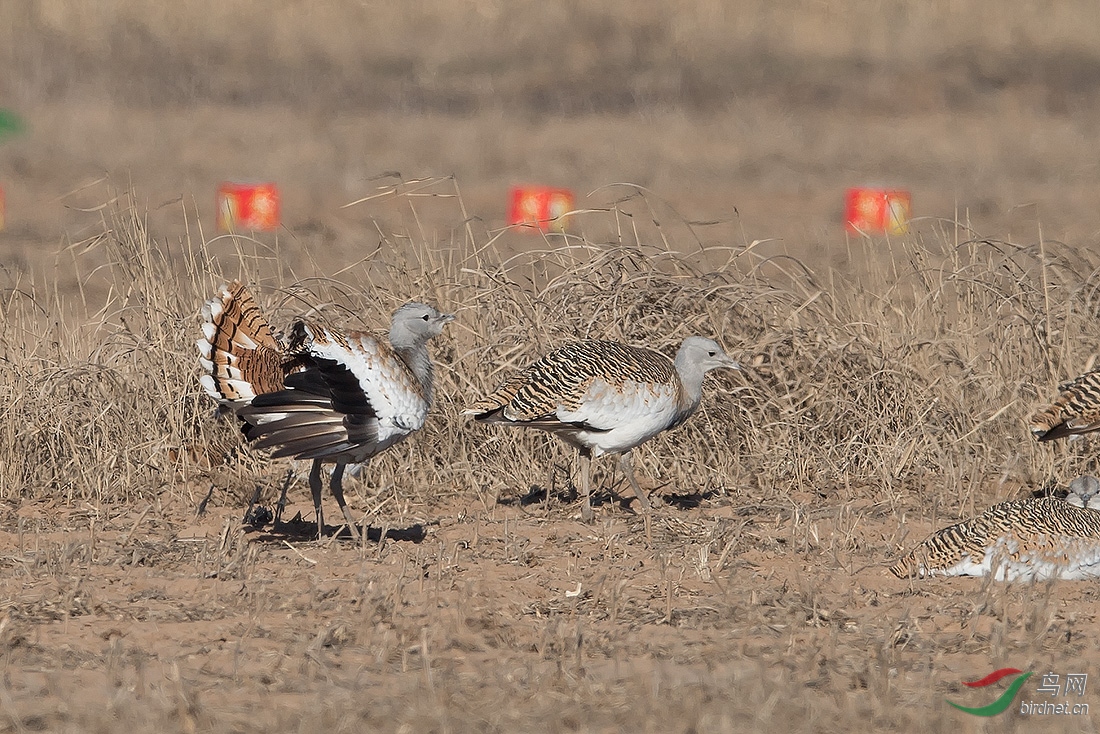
(322, 412)
(545, 422)
(333, 380)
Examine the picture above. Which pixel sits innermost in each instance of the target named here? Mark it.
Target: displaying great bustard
(325, 396)
(1030, 539)
(605, 398)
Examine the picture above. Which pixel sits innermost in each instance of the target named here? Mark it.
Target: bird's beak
(731, 363)
(446, 317)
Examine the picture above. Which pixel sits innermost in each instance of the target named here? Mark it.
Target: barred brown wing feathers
(946, 547)
(562, 378)
(1064, 518)
(1076, 410)
(498, 397)
(489, 407)
(1033, 533)
(559, 378)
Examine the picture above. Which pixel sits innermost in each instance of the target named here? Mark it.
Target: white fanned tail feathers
(239, 354)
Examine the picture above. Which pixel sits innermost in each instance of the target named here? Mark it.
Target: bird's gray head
(415, 323)
(700, 354)
(1082, 490)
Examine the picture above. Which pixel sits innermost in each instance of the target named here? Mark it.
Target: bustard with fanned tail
(327, 396)
(605, 398)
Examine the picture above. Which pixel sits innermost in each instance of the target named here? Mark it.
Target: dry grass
(915, 375)
(885, 394)
(874, 404)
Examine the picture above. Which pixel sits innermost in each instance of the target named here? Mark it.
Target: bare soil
(730, 616)
(740, 607)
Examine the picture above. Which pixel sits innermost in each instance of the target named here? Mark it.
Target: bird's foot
(586, 513)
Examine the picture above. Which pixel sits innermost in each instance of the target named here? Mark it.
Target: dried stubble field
(885, 390)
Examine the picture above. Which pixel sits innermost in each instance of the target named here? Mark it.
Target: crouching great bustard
(326, 396)
(1031, 539)
(605, 398)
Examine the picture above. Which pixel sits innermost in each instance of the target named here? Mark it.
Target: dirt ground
(731, 616)
(729, 613)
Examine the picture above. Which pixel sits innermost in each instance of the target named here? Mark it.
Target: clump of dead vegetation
(910, 377)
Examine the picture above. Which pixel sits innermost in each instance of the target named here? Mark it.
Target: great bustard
(326, 396)
(1076, 410)
(605, 398)
(1031, 539)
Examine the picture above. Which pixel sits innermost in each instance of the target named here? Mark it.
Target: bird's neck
(691, 387)
(419, 361)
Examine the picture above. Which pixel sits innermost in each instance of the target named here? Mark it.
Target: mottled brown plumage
(1029, 539)
(561, 379)
(1076, 410)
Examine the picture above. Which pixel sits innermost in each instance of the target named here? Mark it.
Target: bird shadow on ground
(687, 500)
(536, 495)
(627, 502)
(299, 529)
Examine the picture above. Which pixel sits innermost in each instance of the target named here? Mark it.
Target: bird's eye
(711, 354)
(425, 317)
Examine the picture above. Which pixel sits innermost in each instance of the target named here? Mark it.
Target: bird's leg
(549, 487)
(586, 487)
(337, 487)
(627, 463)
(281, 504)
(315, 488)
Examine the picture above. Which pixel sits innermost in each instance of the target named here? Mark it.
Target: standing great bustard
(327, 396)
(1031, 539)
(1076, 410)
(605, 398)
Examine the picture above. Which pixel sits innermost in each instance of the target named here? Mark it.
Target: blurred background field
(886, 387)
(751, 116)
